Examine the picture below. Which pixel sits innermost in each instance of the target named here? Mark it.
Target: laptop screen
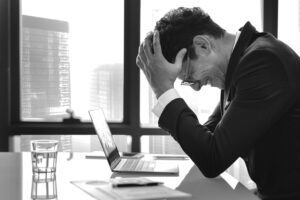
(104, 135)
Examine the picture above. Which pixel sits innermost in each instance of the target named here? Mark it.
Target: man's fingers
(180, 56)
(147, 49)
(142, 53)
(140, 63)
(156, 43)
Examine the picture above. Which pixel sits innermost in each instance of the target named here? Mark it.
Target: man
(258, 117)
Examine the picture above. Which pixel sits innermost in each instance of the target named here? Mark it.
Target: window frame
(11, 124)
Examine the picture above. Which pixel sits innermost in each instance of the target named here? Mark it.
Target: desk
(16, 178)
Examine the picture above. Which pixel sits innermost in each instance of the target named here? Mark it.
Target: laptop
(121, 164)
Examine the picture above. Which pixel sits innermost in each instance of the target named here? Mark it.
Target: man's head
(193, 29)
(179, 26)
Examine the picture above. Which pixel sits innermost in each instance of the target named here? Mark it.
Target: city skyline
(45, 69)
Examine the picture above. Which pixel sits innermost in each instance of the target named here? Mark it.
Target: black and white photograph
(150, 99)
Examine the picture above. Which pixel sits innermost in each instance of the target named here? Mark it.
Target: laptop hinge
(115, 163)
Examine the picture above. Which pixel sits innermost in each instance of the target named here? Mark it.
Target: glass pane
(73, 143)
(231, 15)
(163, 144)
(289, 11)
(67, 59)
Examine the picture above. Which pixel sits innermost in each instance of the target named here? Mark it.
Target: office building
(45, 69)
(106, 90)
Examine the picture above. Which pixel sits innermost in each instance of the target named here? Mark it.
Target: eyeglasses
(187, 80)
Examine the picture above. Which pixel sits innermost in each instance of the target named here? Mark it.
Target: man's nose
(196, 86)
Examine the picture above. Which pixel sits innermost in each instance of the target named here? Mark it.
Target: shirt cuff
(164, 100)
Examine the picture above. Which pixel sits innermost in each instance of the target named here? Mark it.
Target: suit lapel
(245, 39)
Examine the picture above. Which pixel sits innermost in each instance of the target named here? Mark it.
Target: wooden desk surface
(16, 178)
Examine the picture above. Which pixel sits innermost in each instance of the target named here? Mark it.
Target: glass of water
(44, 155)
(43, 188)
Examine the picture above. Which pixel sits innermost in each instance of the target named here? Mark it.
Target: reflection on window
(231, 15)
(73, 143)
(160, 145)
(289, 11)
(70, 59)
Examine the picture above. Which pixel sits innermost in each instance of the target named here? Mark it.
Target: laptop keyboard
(138, 165)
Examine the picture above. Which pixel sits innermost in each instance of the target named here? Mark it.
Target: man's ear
(202, 44)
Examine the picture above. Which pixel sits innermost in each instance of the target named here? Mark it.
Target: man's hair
(178, 28)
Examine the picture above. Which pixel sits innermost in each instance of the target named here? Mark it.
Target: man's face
(203, 70)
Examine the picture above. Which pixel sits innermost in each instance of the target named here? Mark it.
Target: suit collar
(245, 39)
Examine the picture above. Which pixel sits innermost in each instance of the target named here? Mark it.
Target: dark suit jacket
(258, 117)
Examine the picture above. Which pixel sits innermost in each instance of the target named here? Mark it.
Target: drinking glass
(44, 156)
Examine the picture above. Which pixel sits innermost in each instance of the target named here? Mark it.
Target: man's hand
(160, 74)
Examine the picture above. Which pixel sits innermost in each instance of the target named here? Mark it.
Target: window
(67, 62)
(289, 32)
(163, 144)
(74, 50)
(231, 15)
(71, 57)
(74, 143)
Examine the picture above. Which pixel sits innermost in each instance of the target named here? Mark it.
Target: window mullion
(131, 72)
(5, 19)
(270, 16)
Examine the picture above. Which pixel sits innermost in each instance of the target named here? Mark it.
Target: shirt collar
(236, 38)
